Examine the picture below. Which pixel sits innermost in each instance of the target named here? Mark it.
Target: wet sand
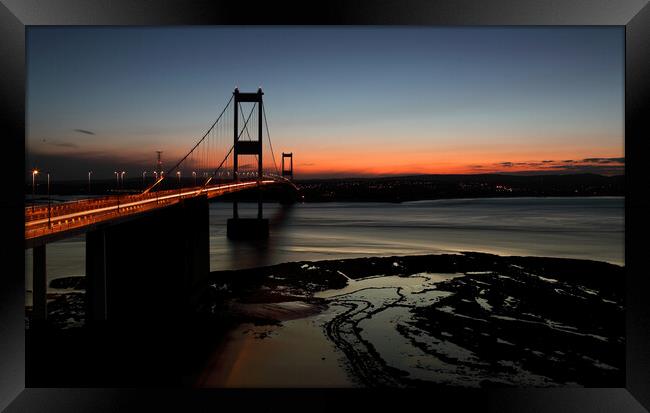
(471, 319)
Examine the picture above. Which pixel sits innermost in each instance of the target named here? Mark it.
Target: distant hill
(396, 188)
(416, 187)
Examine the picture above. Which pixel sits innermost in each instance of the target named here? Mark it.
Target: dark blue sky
(366, 100)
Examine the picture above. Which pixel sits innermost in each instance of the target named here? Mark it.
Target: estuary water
(585, 228)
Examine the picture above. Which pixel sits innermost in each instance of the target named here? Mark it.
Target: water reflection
(586, 228)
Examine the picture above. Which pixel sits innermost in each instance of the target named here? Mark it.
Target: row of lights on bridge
(120, 175)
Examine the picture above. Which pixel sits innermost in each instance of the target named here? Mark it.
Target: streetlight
(194, 175)
(34, 173)
(89, 172)
(122, 176)
(178, 173)
(49, 213)
(117, 179)
(143, 175)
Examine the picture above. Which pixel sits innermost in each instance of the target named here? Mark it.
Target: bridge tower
(287, 172)
(243, 227)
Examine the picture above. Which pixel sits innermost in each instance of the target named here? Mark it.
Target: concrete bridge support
(39, 284)
(144, 277)
(151, 267)
(248, 228)
(96, 275)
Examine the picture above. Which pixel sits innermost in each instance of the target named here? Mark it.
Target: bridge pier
(248, 228)
(145, 275)
(39, 283)
(151, 267)
(96, 276)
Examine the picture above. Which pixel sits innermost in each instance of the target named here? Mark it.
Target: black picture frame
(15, 15)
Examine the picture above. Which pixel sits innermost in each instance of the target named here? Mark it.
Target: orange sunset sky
(353, 101)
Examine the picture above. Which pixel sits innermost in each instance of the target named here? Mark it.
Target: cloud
(602, 166)
(84, 131)
(604, 160)
(60, 144)
(593, 169)
(511, 164)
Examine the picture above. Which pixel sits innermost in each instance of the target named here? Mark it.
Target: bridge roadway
(45, 224)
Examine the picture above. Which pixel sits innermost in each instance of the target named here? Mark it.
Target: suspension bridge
(156, 243)
(227, 158)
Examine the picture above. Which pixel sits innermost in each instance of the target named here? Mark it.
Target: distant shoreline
(53, 198)
(393, 189)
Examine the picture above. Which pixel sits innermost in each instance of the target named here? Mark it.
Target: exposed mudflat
(471, 320)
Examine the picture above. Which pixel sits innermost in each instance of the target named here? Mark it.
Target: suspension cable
(207, 181)
(246, 127)
(228, 154)
(192, 150)
(268, 135)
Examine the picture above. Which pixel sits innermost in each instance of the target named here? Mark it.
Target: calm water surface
(587, 228)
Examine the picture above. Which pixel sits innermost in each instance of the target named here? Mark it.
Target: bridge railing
(58, 225)
(113, 207)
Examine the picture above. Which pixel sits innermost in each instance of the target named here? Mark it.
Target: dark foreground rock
(561, 319)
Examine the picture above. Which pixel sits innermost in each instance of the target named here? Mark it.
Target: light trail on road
(35, 228)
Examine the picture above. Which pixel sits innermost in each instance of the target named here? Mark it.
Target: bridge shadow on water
(250, 253)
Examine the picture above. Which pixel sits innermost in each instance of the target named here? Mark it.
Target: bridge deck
(43, 222)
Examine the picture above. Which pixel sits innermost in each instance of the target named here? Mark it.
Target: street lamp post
(49, 205)
(117, 180)
(89, 172)
(178, 174)
(143, 175)
(194, 175)
(122, 176)
(34, 173)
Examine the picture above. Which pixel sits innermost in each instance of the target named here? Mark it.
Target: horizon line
(382, 176)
